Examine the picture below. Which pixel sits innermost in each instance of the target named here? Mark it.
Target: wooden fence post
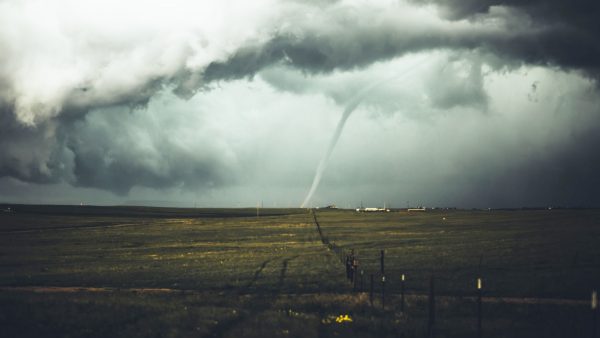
(362, 280)
(594, 314)
(479, 314)
(402, 293)
(383, 292)
(382, 263)
(371, 291)
(431, 321)
(382, 267)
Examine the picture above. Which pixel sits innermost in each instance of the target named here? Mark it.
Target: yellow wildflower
(343, 318)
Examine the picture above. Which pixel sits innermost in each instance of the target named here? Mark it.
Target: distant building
(372, 210)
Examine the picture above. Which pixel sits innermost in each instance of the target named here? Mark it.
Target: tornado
(350, 107)
(325, 159)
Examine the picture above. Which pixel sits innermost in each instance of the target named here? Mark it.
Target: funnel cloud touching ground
(232, 103)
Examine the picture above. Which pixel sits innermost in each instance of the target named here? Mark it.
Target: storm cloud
(565, 33)
(116, 96)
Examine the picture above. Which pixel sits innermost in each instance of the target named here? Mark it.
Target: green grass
(187, 253)
(537, 253)
(240, 275)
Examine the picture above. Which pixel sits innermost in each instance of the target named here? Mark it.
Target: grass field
(535, 253)
(129, 271)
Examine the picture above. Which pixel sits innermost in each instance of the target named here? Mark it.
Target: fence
(356, 278)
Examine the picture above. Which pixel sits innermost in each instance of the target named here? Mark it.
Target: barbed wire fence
(379, 279)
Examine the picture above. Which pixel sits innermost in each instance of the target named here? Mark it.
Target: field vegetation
(70, 271)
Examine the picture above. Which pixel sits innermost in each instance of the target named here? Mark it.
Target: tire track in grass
(257, 273)
(265, 301)
(262, 302)
(282, 272)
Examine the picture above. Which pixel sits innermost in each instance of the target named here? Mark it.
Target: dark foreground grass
(226, 274)
(127, 314)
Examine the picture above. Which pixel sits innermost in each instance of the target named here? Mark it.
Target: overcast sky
(466, 103)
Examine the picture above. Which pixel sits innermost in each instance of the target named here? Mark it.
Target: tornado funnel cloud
(325, 158)
(336, 136)
(350, 107)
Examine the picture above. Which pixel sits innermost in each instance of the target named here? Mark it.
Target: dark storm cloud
(113, 150)
(549, 33)
(339, 45)
(462, 84)
(31, 154)
(564, 176)
(47, 134)
(569, 37)
(118, 150)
